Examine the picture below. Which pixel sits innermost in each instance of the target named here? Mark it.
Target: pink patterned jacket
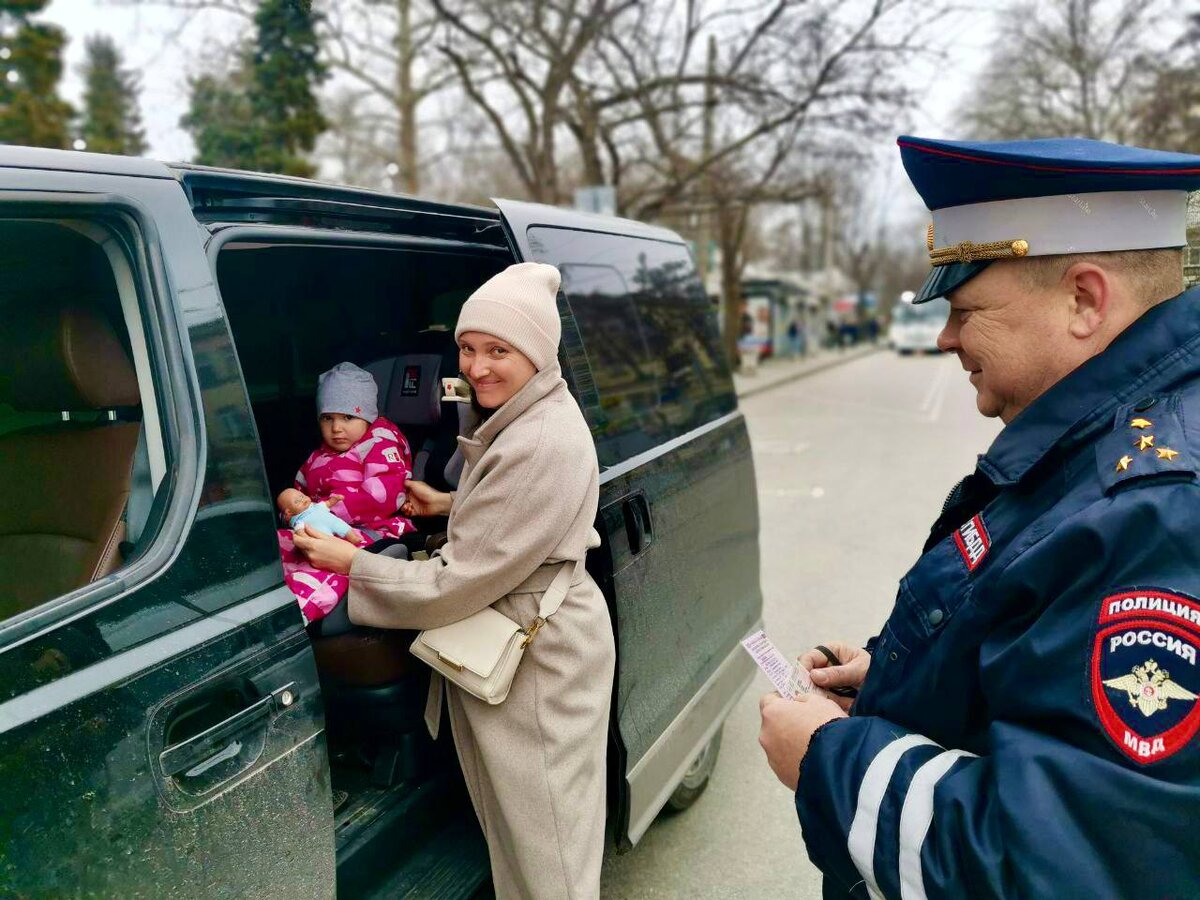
(370, 476)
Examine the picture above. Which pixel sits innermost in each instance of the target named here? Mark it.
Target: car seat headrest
(70, 359)
(410, 388)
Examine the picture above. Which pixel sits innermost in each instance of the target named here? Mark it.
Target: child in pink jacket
(363, 464)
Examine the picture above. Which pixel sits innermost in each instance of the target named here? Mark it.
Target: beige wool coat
(535, 764)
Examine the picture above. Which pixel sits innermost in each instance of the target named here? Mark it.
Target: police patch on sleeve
(1144, 678)
(973, 542)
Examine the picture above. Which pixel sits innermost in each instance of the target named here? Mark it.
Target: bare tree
(1169, 116)
(1065, 67)
(385, 47)
(715, 134)
(515, 60)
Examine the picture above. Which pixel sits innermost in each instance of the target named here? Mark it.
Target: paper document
(788, 679)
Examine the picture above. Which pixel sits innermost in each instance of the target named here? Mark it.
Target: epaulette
(1147, 441)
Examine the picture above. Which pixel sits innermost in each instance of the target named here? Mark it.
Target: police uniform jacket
(1028, 724)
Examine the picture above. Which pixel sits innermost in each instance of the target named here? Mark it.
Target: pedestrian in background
(1026, 720)
(794, 340)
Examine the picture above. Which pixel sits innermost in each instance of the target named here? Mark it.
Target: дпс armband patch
(973, 542)
(1144, 676)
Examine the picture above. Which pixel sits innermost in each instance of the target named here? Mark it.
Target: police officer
(1026, 722)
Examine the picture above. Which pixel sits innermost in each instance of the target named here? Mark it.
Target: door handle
(197, 754)
(638, 525)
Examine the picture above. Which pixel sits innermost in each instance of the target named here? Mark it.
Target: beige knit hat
(518, 306)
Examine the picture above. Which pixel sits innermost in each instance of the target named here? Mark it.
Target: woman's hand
(325, 551)
(423, 500)
(851, 673)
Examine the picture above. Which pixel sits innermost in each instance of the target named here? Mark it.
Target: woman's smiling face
(495, 368)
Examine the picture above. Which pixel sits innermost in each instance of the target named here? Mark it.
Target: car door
(160, 726)
(678, 507)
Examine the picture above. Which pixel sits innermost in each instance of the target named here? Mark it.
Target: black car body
(163, 721)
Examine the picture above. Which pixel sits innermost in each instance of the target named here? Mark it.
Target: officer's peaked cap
(1011, 199)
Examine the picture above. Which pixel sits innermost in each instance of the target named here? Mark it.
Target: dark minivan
(167, 725)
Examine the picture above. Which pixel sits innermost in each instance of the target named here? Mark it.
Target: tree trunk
(706, 148)
(728, 236)
(406, 101)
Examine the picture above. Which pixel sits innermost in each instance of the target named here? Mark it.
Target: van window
(80, 449)
(650, 339)
(616, 352)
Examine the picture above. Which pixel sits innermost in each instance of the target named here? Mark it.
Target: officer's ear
(1091, 290)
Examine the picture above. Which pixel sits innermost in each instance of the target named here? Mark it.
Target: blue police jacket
(1028, 724)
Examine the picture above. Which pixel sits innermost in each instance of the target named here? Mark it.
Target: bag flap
(476, 643)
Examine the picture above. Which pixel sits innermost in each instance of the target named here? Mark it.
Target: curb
(804, 373)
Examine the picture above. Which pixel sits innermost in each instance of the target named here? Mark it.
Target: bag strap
(553, 598)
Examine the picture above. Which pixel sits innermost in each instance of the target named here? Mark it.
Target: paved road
(853, 464)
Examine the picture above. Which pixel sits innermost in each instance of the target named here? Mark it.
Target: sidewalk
(775, 372)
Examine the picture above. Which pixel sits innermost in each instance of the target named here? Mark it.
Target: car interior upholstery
(69, 404)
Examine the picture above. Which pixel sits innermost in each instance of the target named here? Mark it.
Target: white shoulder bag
(480, 653)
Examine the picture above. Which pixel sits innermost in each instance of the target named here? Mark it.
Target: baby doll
(300, 510)
(357, 475)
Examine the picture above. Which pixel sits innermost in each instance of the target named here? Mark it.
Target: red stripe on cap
(1022, 165)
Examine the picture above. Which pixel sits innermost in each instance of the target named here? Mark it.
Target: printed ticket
(788, 679)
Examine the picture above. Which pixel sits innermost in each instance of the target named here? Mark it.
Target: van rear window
(649, 336)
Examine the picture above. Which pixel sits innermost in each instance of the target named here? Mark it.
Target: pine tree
(31, 112)
(221, 119)
(263, 115)
(111, 120)
(286, 72)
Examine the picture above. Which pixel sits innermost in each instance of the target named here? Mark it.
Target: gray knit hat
(350, 390)
(518, 306)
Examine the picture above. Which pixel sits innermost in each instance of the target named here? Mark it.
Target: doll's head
(347, 403)
(293, 502)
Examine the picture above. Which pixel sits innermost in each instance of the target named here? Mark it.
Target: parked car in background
(167, 725)
(915, 327)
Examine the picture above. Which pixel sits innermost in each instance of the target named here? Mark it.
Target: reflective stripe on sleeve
(861, 840)
(915, 818)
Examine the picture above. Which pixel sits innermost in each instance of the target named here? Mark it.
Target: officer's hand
(787, 728)
(851, 673)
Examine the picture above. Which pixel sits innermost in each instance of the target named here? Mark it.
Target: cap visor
(943, 279)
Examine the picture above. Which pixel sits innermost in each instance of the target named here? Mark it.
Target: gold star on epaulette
(1144, 441)
(1140, 423)
(1166, 453)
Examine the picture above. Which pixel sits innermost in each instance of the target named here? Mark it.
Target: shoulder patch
(1147, 441)
(973, 542)
(1145, 682)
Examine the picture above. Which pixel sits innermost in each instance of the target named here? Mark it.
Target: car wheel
(696, 778)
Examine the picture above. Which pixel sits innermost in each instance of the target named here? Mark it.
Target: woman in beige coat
(535, 764)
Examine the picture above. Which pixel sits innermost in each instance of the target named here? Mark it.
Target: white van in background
(915, 327)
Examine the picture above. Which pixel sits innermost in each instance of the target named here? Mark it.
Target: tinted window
(650, 344)
(66, 456)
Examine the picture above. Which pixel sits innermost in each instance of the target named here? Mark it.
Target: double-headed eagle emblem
(1149, 688)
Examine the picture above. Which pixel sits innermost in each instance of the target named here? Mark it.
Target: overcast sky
(164, 53)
